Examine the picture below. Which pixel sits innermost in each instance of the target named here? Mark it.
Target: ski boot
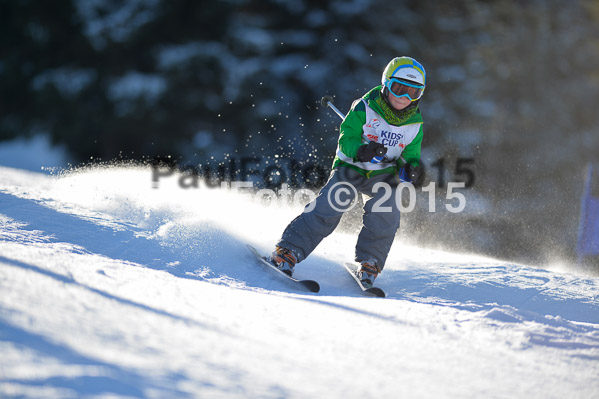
(284, 260)
(368, 272)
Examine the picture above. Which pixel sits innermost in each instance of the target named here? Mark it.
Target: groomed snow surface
(112, 288)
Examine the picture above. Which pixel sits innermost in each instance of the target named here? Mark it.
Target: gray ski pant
(380, 219)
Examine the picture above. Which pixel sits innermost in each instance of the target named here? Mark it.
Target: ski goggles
(401, 88)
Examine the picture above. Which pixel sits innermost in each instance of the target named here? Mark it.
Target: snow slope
(112, 288)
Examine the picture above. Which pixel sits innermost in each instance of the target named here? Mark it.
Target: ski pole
(327, 101)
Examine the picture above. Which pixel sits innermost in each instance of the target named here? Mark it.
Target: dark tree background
(511, 96)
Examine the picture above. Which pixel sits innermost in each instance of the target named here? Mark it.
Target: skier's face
(398, 103)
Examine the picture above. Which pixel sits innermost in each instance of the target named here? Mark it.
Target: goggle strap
(418, 86)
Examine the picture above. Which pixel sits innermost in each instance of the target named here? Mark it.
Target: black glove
(368, 151)
(411, 174)
(415, 173)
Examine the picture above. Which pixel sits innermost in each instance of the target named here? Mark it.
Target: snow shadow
(127, 302)
(530, 291)
(91, 237)
(96, 377)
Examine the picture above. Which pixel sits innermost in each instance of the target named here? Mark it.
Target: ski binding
(310, 285)
(353, 271)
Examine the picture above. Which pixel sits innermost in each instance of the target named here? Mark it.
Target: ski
(353, 270)
(310, 285)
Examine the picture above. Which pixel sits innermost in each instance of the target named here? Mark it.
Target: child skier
(379, 139)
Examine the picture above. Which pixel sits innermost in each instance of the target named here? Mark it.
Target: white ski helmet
(405, 68)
